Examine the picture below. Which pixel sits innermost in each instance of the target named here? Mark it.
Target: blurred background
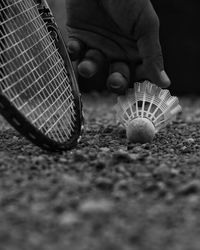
(180, 40)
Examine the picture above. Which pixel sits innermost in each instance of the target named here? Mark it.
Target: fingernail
(117, 83)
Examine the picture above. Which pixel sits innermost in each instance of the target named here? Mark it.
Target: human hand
(124, 33)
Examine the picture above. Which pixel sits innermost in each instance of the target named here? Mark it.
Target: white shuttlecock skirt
(153, 106)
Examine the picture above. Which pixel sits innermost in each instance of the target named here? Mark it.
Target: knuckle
(155, 20)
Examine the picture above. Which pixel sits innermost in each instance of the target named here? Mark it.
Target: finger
(76, 48)
(147, 35)
(119, 78)
(91, 63)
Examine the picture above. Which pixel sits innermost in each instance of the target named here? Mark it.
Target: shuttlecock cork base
(146, 109)
(140, 130)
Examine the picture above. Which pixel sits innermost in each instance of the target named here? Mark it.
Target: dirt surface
(105, 194)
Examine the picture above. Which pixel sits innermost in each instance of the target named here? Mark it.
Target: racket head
(39, 94)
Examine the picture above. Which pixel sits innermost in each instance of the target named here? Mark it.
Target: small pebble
(121, 156)
(190, 140)
(105, 149)
(134, 156)
(174, 172)
(161, 171)
(104, 183)
(21, 157)
(190, 188)
(121, 185)
(73, 181)
(185, 149)
(134, 149)
(63, 160)
(38, 159)
(69, 219)
(79, 156)
(96, 206)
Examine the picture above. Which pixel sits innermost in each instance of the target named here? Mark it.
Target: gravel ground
(105, 194)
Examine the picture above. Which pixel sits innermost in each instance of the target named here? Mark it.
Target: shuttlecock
(146, 109)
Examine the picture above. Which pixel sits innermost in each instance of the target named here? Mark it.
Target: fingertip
(91, 63)
(87, 68)
(74, 48)
(164, 80)
(117, 83)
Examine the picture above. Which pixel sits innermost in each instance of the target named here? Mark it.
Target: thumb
(150, 70)
(147, 36)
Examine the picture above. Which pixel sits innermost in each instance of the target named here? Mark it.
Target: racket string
(42, 89)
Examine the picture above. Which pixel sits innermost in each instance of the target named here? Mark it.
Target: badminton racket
(39, 94)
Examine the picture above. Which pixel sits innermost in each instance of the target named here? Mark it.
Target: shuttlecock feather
(146, 109)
